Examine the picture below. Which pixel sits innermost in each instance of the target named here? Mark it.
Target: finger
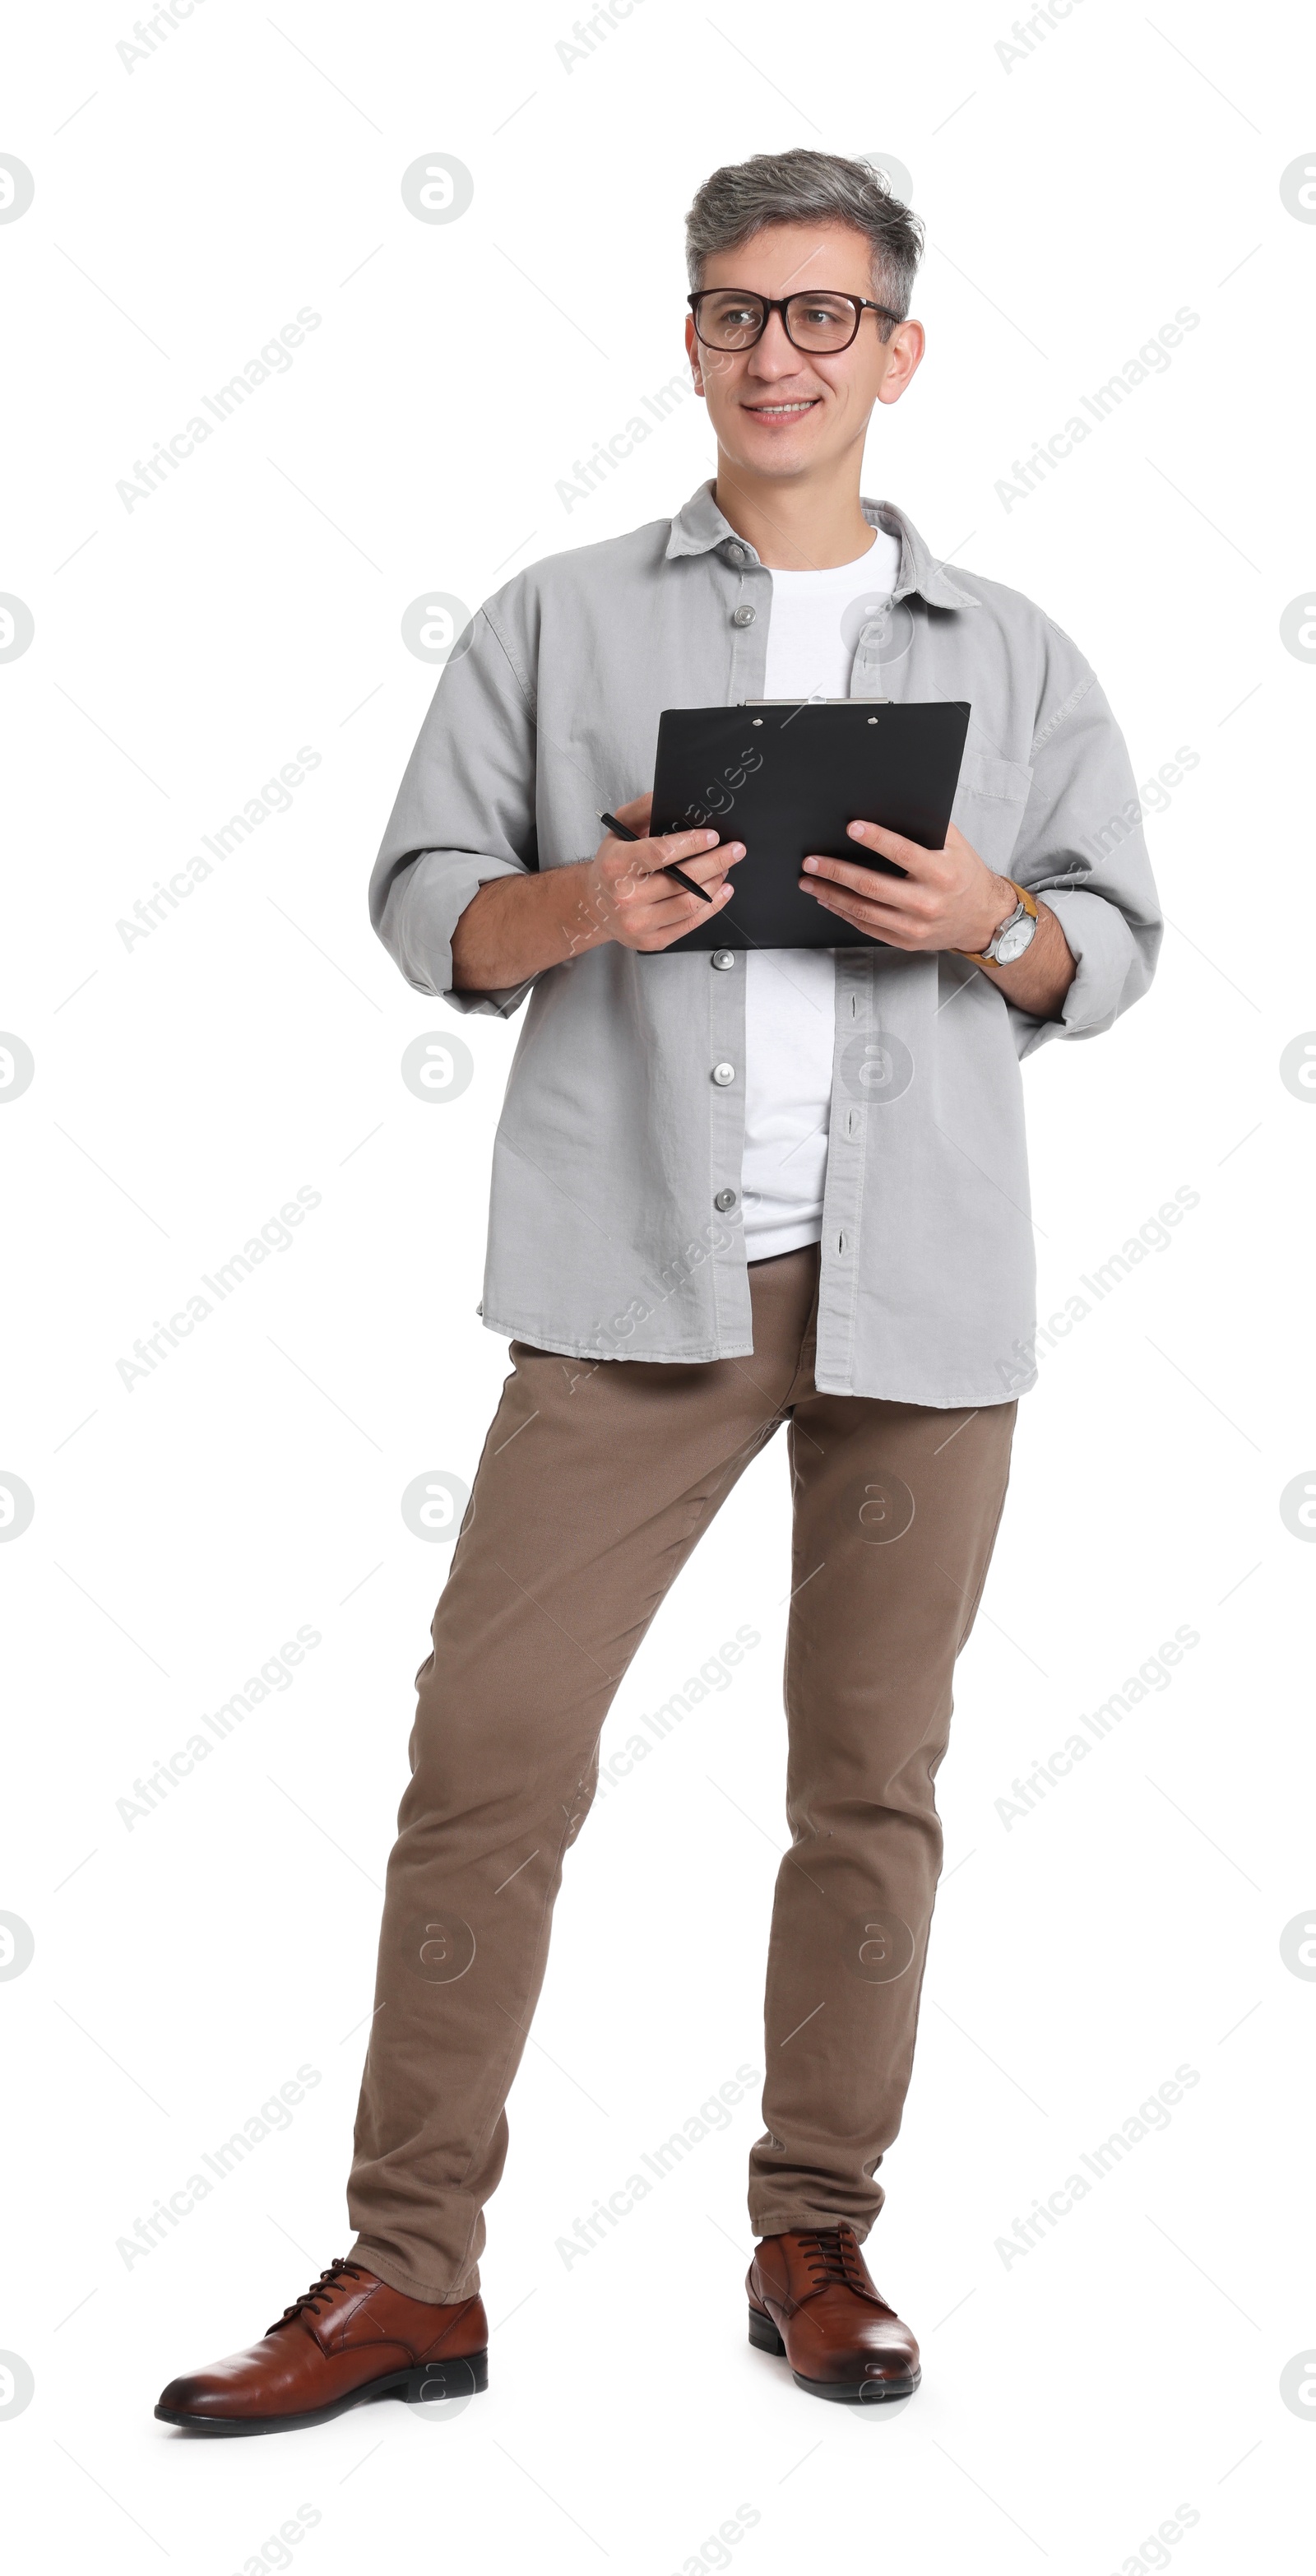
(862, 881)
(908, 855)
(681, 846)
(663, 922)
(677, 912)
(855, 906)
(701, 854)
(646, 855)
(652, 889)
(872, 919)
(861, 901)
(708, 867)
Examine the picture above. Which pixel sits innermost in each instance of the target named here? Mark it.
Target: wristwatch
(1014, 935)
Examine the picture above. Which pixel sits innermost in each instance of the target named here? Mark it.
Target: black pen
(624, 834)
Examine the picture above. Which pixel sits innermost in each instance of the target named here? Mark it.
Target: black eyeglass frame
(859, 304)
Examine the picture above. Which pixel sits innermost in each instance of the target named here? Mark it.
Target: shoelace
(335, 2279)
(832, 2254)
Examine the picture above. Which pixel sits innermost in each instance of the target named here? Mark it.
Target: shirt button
(742, 616)
(725, 1199)
(724, 1073)
(736, 555)
(722, 957)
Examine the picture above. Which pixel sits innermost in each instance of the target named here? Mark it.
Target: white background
(187, 1086)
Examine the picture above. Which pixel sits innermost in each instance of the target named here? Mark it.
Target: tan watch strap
(1030, 907)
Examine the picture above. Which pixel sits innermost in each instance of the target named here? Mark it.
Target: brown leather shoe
(811, 2299)
(347, 2339)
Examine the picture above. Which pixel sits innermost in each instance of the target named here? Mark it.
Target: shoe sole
(845, 2392)
(465, 2376)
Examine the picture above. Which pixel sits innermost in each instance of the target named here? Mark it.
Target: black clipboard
(785, 776)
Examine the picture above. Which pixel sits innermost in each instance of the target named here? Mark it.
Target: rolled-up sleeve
(465, 813)
(1081, 849)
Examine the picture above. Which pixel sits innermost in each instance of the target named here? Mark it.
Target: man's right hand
(515, 927)
(629, 898)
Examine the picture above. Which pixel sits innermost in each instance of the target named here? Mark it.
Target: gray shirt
(615, 1225)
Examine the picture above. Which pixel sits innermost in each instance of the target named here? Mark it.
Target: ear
(692, 353)
(907, 344)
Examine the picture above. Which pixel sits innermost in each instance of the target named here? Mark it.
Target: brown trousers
(596, 1482)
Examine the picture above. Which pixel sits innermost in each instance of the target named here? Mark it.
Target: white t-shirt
(790, 993)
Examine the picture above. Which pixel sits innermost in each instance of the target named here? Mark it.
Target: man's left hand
(946, 899)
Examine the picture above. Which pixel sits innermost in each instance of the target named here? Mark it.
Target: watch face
(1012, 942)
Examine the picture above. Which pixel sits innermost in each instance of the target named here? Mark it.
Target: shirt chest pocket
(989, 803)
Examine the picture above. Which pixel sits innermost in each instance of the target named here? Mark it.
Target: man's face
(782, 411)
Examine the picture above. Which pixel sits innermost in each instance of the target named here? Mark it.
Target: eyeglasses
(726, 318)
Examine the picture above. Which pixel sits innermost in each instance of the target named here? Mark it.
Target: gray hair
(808, 188)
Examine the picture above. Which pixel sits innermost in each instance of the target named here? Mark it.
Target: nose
(775, 354)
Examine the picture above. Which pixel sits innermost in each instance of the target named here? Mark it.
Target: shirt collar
(700, 526)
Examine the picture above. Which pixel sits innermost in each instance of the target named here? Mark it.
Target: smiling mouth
(782, 411)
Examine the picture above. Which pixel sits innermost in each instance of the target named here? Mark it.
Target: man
(729, 1191)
